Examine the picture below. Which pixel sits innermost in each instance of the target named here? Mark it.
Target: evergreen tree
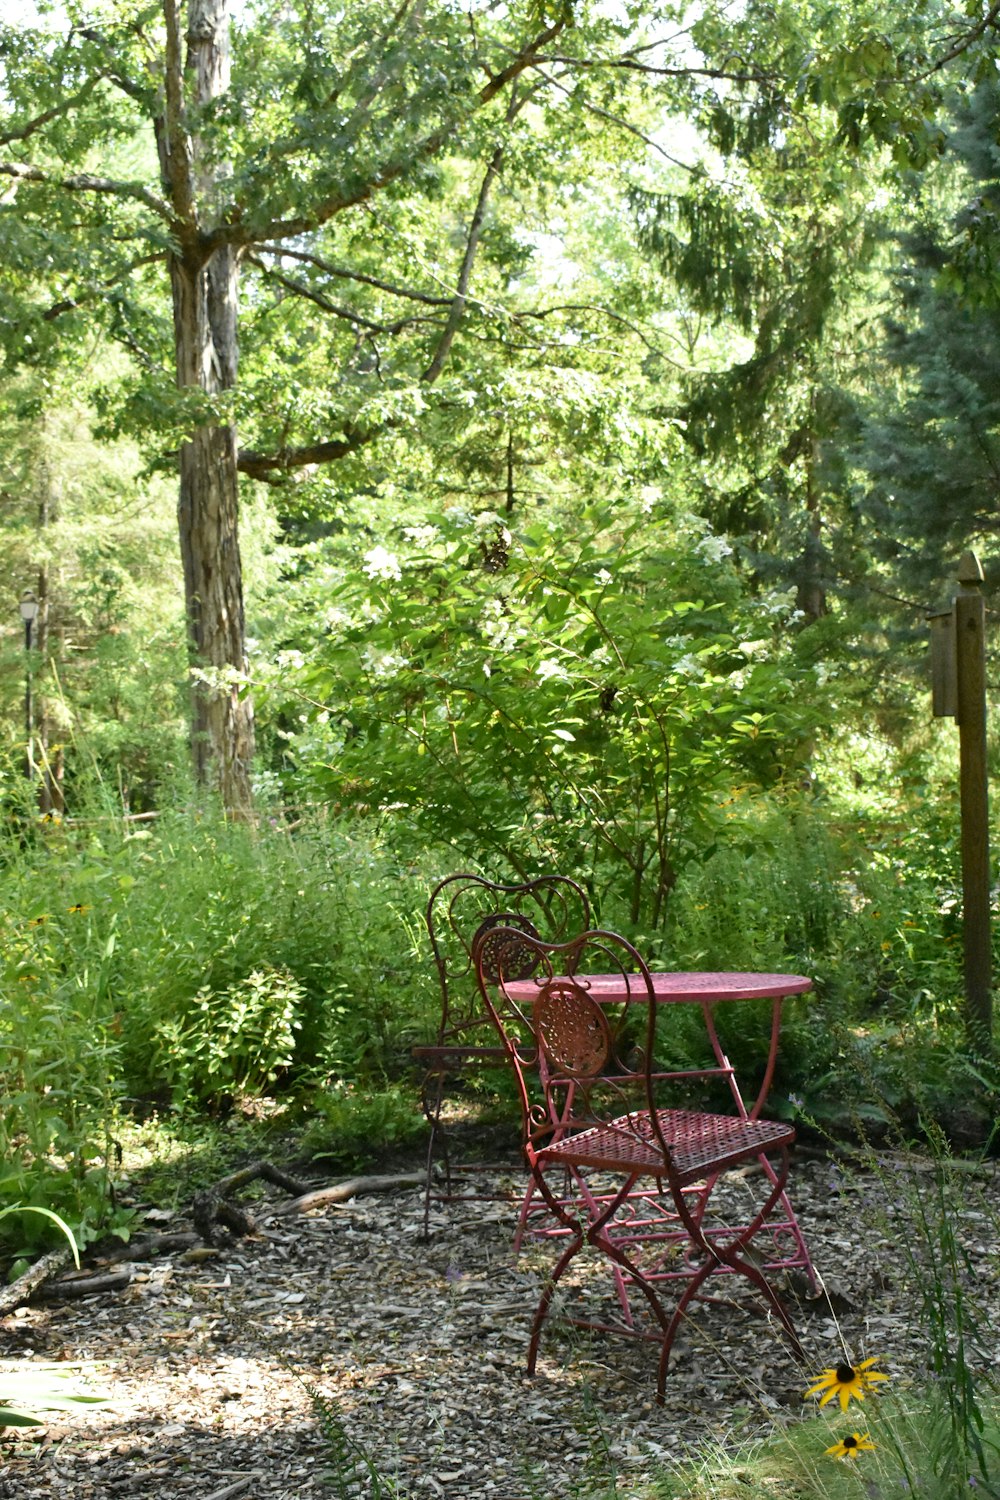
(930, 441)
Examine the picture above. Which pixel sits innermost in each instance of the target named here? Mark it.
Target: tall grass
(182, 962)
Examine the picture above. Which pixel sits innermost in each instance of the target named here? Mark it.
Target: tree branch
(69, 304)
(176, 154)
(84, 183)
(272, 468)
(605, 114)
(630, 64)
(966, 41)
(241, 233)
(300, 289)
(343, 274)
(606, 312)
(471, 245)
(80, 97)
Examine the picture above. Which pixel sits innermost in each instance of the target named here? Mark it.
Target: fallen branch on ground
(17, 1294)
(211, 1210)
(339, 1192)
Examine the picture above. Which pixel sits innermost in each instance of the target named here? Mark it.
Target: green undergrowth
(909, 1458)
(185, 966)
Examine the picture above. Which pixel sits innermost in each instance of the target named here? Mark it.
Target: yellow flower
(846, 1382)
(37, 921)
(79, 907)
(850, 1447)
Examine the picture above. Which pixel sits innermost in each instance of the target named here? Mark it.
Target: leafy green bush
(347, 1125)
(230, 1042)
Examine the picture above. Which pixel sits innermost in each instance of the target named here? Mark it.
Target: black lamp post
(28, 608)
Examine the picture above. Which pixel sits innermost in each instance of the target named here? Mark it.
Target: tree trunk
(205, 301)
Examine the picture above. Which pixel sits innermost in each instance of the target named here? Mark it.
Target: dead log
(339, 1192)
(257, 1170)
(17, 1294)
(146, 1246)
(84, 1286)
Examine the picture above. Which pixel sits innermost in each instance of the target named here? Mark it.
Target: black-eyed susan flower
(846, 1382)
(851, 1446)
(78, 909)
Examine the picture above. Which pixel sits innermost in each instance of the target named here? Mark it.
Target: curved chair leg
(719, 1257)
(595, 1235)
(432, 1114)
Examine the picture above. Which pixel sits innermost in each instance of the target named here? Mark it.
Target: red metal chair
(460, 908)
(620, 1168)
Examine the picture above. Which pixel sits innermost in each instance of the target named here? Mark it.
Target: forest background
(516, 437)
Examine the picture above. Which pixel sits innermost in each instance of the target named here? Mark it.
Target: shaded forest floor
(228, 1372)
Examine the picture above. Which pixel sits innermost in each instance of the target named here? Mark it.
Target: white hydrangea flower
(713, 549)
(501, 632)
(421, 536)
(551, 669)
(602, 578)
(688, 666)
(382, 565)
(382, 663)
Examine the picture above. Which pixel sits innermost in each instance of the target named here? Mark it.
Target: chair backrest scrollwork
(578, 1044)
(462, 913)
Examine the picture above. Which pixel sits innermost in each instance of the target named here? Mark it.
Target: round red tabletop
(680, 986)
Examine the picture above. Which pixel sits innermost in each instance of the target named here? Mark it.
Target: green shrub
(230, 1042)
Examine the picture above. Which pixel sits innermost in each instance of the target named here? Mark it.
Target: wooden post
(970, 662)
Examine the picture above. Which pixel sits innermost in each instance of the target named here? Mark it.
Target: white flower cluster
(551, 669)
(779, 604)
(421, 536)
(382, 565)
(488, 520)
(382, 663)
(501, 632)
(688, 666)
(713, 548)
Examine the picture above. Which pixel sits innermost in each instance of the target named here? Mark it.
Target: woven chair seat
(698, 1144)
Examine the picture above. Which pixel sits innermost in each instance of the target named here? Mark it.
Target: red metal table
(706, 990)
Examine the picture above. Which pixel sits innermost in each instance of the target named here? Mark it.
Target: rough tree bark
(204, 281)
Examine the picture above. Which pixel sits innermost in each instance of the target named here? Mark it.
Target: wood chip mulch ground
(220, 1365)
